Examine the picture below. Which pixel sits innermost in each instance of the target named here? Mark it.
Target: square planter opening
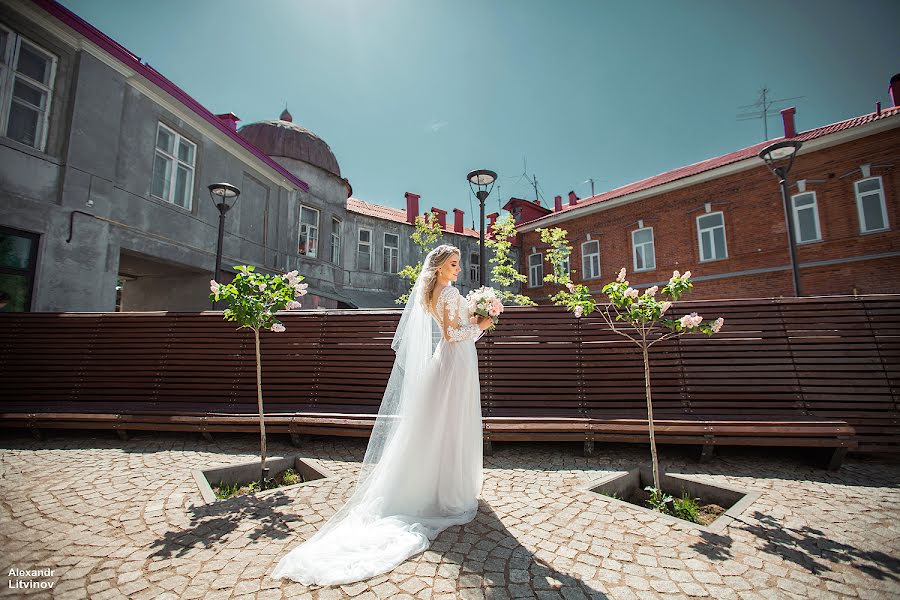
(307, 469)
(627, 489)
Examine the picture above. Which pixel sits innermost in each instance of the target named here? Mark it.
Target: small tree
(503, 271)
(428, 231)
(253, 299)
(644, 313)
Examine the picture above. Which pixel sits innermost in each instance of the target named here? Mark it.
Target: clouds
(435, 126)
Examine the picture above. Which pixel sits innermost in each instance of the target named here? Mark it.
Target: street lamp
(482, 182)
(780, 158)
(224, 192)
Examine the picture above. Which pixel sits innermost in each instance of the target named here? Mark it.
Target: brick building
(723, 219)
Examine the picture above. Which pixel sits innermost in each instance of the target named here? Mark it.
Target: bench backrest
(829, 357)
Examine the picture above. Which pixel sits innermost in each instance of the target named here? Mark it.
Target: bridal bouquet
(486, 303)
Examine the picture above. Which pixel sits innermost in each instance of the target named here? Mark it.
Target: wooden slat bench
(819, 372)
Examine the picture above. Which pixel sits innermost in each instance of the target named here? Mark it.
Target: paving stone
(125, 520)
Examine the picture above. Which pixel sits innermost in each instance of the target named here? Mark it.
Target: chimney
(458, 220)
(229, 120)
(895, 89)
(573, 199)
(557, 204)
(441, 217)
(878, 108)
(787, 115)
(412, 207)
(491, 218)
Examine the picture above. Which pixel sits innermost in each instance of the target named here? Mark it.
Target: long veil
(413, 343)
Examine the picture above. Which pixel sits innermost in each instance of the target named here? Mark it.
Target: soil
(709, 512)
(274, 482)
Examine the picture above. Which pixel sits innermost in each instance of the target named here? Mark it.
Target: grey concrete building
(104, 168)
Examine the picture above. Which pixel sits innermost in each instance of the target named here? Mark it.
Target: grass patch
(224, 490)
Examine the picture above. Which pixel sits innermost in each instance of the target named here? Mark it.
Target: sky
(411, 95)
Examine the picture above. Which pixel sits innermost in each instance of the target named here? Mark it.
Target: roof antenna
(762, 104)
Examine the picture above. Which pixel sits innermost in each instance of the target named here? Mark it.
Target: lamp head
(221, 193)
(482, 182)
(224, 190)
(780, 156)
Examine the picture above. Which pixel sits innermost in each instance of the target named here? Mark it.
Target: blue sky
(411, 95)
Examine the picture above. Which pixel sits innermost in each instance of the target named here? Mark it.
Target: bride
(422, 468)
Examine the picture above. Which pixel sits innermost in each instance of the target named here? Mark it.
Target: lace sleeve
(454, 329)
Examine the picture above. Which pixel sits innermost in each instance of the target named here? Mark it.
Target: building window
(174, 154)
(870, 205)
(364, 250)
(27, 72)
(18, 254)
(391, 253)
(474, 267)
(711, 236)
(309, 231)
(535, 270)
(806, 218)
(590, 259)
(336, 240)
(566, 268)
(642, 248)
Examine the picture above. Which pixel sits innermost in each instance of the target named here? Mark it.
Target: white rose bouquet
(485, 302)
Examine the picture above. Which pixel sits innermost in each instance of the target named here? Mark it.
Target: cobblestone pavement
(124, 519)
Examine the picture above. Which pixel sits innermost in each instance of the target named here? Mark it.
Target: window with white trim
(711, 236)
(336, 225)
(474, 267)
(590, 259)
(173, 167)
(642, 249)
(805, 211)
(309, 231)
(870, 205)
(391, 253)
(364, 250)
(27, 73)
(535, 270)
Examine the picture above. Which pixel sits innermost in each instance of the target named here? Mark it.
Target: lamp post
(224, 192)
(481, 182)
(779, 157)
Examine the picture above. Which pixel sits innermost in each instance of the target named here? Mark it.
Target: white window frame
(337, 226)
(536, 272)
(587, 262)
(651, 243)
(795, 214)
(174, 162)
(712, 240)
(360, 243)
(311, 231)
(8, 75)
(859, 204)
(474, 267)
(391, 254)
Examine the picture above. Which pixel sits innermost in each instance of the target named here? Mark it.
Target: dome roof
(285, 138)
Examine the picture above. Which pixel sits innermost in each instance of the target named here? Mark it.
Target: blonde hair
(440, 256)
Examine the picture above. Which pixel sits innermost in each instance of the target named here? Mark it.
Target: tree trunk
(262, 421)
(650, 417)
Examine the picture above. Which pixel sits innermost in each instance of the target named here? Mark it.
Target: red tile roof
(387, 213)
(719, 161)
(128, 58)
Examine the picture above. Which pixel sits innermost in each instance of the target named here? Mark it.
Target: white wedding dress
(429, 474)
